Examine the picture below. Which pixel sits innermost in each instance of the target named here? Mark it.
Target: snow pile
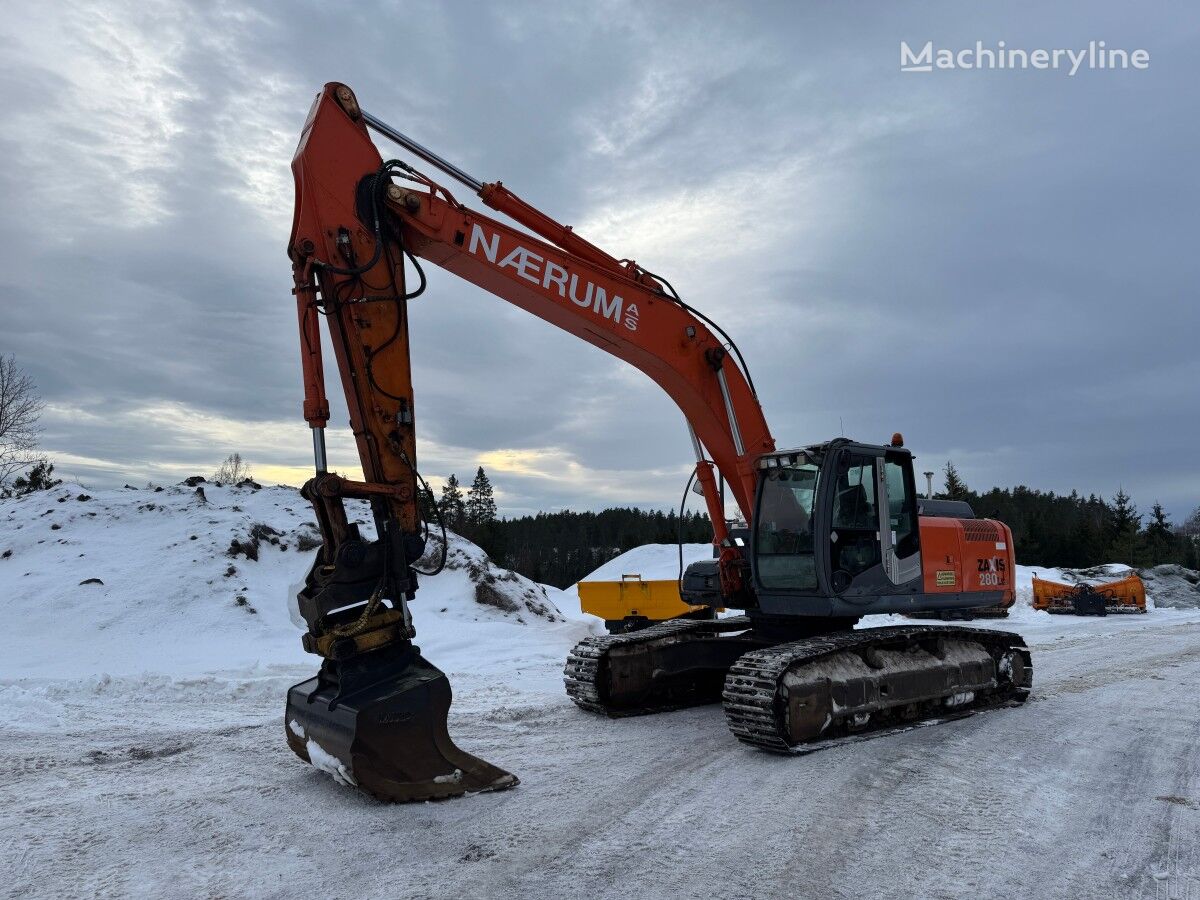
(1092, 575)
(654, 562)
(198, 577)
(491, 586)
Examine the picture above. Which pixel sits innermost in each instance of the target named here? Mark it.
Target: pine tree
(1159, 525)
(481, 504)
(427, 504)
(1160, 539)
(1191, 554)
(1123, 530)
(1083, 545)
(451, 506)
(956, 488)
(39, 478)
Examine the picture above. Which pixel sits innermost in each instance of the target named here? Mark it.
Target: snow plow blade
(1127, 595)
(378, 722)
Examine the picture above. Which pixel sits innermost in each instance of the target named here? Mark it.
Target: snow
(169, 602)
(328, 763)
(653, 562)
(143, 753)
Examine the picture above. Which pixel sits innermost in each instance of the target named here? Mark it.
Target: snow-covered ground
(142, 749)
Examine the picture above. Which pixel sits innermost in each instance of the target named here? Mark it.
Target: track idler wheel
(378, 722)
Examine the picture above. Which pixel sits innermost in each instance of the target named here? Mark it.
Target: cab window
(854, 502)
(783, 528)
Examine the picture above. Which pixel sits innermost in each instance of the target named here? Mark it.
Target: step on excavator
(834, 532)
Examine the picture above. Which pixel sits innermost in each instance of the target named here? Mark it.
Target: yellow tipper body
(631, 597)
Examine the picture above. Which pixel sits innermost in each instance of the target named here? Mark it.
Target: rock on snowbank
(490, 585)
(1172, 586)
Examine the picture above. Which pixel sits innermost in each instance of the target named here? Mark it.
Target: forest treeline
(560, 548)
(1048, 529)
(555, 548)
(1073, 531)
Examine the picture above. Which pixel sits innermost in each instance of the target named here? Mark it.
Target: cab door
(874, 542)
(899, 531)
(854, 547)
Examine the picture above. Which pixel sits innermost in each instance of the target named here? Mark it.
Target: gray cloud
(999, 265)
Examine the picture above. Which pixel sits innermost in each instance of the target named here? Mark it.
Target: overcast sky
(1002, 265)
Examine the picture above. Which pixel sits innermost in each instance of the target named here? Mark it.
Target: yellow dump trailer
(631, 603)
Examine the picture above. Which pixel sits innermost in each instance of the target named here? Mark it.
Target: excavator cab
(836, 531)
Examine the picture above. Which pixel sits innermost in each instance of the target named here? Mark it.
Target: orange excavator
(834, 531)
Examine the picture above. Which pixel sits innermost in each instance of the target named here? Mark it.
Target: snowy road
(1091, 789)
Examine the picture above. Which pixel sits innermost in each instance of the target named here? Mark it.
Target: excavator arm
(354, 228)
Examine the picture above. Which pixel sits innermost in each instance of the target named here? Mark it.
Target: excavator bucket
(378, 722)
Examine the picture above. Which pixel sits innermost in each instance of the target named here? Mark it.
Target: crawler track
(586, 672)
(803, 695)
(769, 693)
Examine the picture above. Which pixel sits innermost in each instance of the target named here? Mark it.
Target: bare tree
(233, 471)
(1191, 525)
(20, 409)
